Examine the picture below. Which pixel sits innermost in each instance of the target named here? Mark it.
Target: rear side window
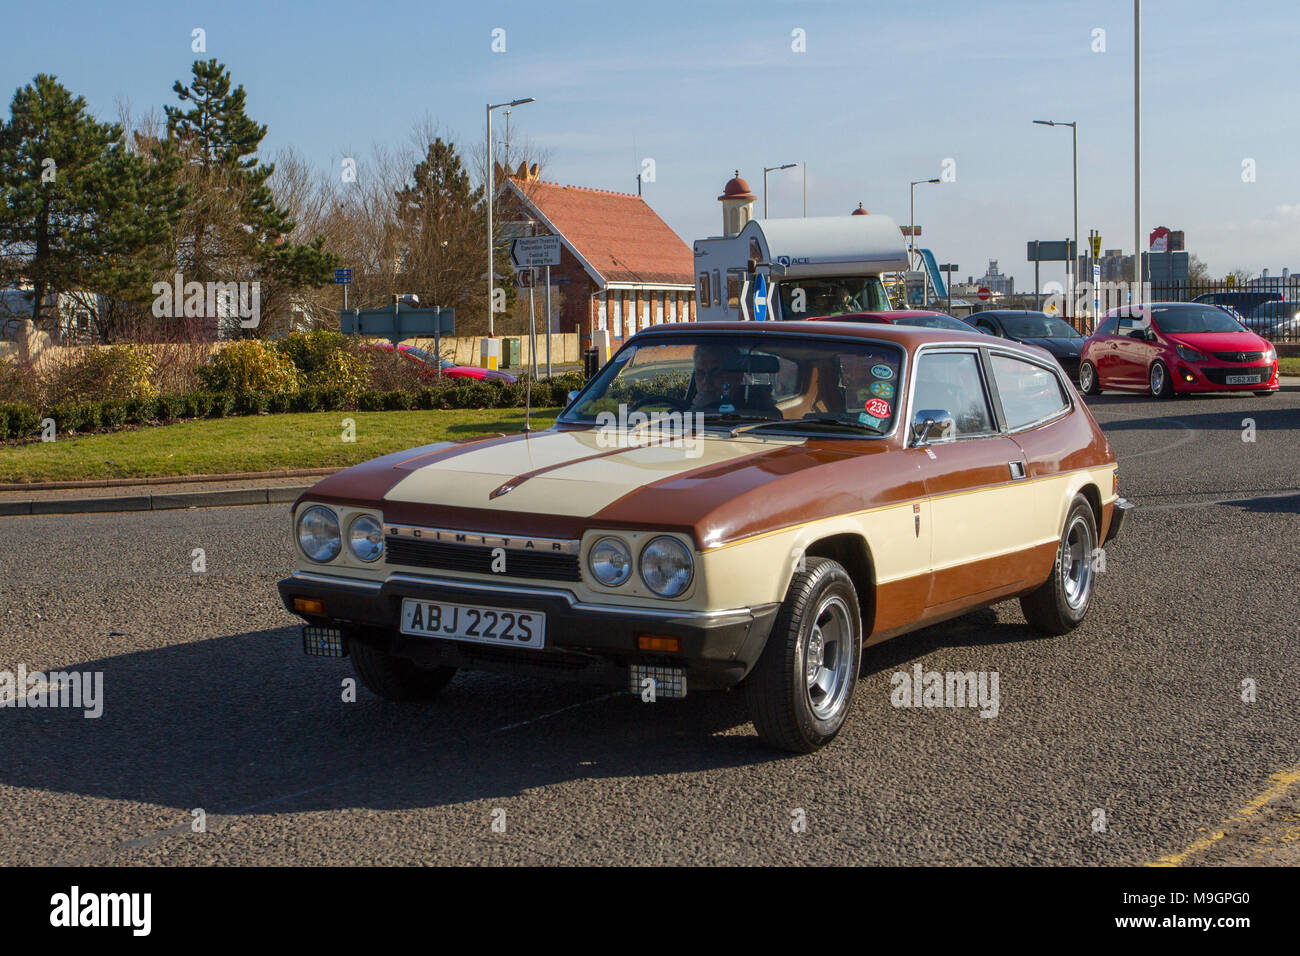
(1107, 327)
(1029, 392)
(951, 382)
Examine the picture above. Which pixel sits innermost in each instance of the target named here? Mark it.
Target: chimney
(737, 205)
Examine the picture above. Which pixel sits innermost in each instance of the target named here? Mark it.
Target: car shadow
(1265, 419)
(244, 724)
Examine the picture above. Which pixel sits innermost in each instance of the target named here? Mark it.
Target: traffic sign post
(343, 277)
(949, 268)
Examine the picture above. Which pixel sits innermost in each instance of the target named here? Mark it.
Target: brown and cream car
(723, 504)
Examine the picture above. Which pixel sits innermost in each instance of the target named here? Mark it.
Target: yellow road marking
(1282, 782)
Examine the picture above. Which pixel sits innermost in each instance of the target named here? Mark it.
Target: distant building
(995, 281)
(621, 267)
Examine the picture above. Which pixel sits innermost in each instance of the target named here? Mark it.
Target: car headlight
(666, 566)
(366, 538)
(1270, 354)
(610, 561)
(318, 534)
(1190, 354)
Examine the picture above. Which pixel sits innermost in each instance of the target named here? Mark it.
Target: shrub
(139, 411)
(388, 371)
(307, 400)
(170, 407)
(18, 382)
(249, 365)
(250, 402)
(398, 400)
(332, 399)
(328, 360)
(193, 405)
(370, 402)
(279, 402)
(112, 414)
(18, 420)
(221, 404)
(109, 373)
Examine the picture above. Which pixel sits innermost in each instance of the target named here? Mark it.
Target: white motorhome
(812, 266)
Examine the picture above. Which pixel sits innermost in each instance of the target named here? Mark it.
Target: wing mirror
(930, 424)
(1149, 335)
(573, 393)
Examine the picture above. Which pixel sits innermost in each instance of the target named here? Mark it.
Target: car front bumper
(1188, 377)
(583, 641)
(1117, 514)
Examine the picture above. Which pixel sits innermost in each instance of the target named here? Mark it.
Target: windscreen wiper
(822, 421)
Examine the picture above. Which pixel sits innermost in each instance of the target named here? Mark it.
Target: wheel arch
(850, 549)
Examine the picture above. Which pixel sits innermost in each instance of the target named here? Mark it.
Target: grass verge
(254, 443)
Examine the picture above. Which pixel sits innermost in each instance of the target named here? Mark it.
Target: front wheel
(799, 692)
(1061, 602)
(396, 678)
(1158, 379)
(1088, 383)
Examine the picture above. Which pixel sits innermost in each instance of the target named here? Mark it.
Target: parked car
(1034, 328)
(1275, 320)
(428, 364)
(802, 489)
(922, 318)
(1173, 347)
(1241, 302)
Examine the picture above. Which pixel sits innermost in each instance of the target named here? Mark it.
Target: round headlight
(318, 534)
(610, 562)
(666, 566)
(366, 538)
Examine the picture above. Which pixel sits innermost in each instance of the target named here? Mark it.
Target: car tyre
(1088, 383)
(1060, 604)
(396, 678)
(800, 691)
(1158, 380)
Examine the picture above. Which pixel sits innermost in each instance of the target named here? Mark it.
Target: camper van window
(704, 287)
(832, 295)
(717, 287)
(733, 289)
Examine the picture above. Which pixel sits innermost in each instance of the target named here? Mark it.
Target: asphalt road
(210, 704)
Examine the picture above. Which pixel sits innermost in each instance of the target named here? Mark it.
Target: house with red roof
(621, 268)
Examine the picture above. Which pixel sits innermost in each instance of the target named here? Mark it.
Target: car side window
(986, 326)
(1108, 327)
(952, 381)
(1029, 392)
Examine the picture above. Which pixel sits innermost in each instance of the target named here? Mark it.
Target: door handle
(1017, 469)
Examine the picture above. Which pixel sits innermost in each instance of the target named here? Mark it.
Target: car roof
(909, 336)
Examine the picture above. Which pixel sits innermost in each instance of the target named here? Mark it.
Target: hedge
(21, 421)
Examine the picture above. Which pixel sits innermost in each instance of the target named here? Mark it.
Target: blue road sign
(760, 299)
(398, 324)
(342, 276)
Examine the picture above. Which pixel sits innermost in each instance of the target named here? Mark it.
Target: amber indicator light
(309, 605)
(657, 642)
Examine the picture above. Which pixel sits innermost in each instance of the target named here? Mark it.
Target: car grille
(477, 559)
(1219, 376)
(1238, 356)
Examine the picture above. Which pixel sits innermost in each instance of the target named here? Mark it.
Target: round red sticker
(878, 407)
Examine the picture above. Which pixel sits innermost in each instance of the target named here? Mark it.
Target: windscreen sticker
(882, 371)
(876, 423)
(878, 408)
(882, 389)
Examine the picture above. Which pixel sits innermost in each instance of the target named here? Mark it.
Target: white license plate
(503, 627)
(1242, 380)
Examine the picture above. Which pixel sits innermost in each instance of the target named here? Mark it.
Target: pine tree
(233, 230)
(79, 212)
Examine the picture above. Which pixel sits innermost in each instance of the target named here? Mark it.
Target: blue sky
(884, 94)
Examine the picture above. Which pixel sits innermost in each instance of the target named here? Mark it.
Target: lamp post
(769, 169)
(1073, 261)
(491, 196)
(911, 234)
(1137, 152)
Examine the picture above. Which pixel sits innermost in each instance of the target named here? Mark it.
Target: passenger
(720, 384)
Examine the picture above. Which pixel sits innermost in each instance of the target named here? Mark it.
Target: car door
(1103, 350)
(988, 326)
(1130, 351)
(973, 479)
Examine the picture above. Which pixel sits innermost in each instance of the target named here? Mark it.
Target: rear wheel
(1158, 379)
(1088, 383)
(396, 678)
(1061, 603)
(799, 692)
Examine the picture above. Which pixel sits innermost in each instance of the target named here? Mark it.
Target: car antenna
(528, 401)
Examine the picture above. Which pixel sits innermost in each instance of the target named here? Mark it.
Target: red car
(428, 364)
(1173, 347)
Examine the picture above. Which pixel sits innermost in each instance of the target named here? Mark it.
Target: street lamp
(491, 193)
(1072, 263)
(911, 229)
(769, 169)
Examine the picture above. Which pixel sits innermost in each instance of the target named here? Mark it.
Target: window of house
(1029, 392)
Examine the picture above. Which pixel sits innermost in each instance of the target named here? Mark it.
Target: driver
(720, 381)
